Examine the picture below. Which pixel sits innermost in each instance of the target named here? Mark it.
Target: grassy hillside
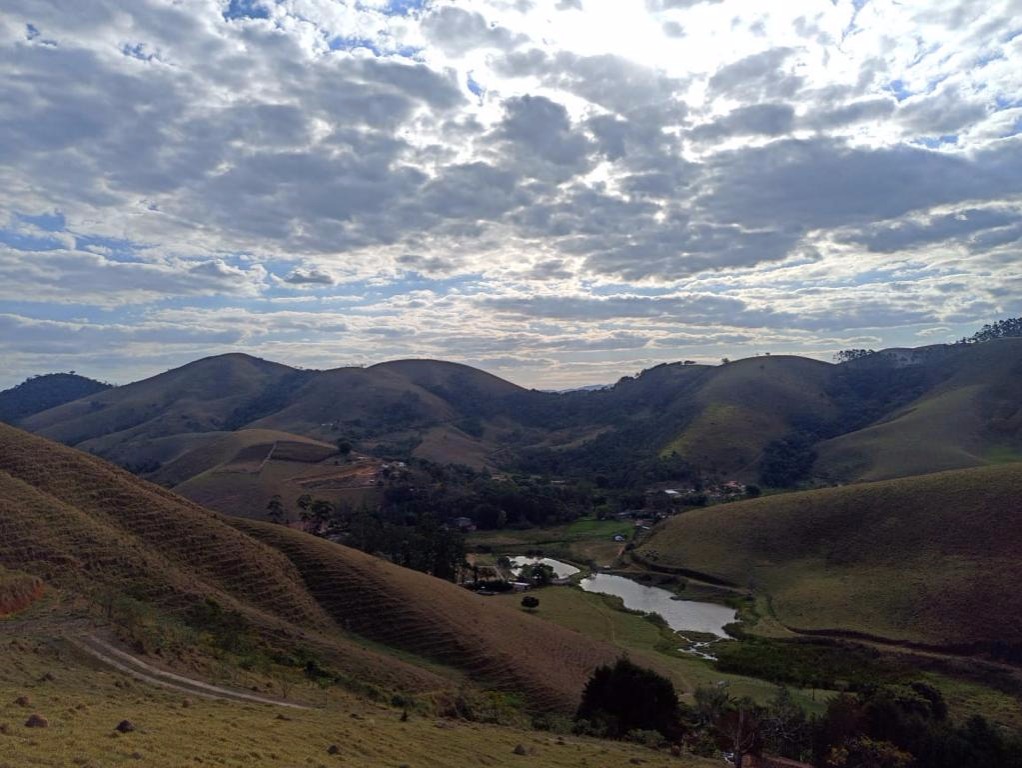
(90, 529)
(746, 404)
(433, 619)
(18, 590)
(204, 396)
(932, 559)
(895, 414)
(41, 393)
(970, 416)
(83, 702)
(239, 472)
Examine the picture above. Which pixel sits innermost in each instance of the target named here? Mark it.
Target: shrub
(626, 697)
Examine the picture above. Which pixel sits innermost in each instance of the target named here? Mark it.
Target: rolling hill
(90, 529)
(893, 414)
(932, 559)
(745, 405)
(968, 415)
(40, 393)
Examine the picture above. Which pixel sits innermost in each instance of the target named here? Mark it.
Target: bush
(625, 697)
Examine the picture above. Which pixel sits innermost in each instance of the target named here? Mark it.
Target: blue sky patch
(246, 9)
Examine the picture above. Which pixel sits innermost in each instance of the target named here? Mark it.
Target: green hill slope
(745, 405)
(970, 415)
(933, 559)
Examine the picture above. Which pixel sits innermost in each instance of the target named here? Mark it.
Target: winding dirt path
(123, 662)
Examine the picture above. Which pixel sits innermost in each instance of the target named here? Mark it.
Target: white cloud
(592, 169)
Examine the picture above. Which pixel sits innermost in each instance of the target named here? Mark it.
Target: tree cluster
(1002, 329)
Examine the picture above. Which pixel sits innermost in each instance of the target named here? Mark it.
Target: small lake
(680, 615)
(561, 570)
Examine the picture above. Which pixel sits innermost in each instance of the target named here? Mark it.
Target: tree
(848, 355)
(725, 360)
(530, 603)
(320, 513)
(740, 730)
(275, 510)
(864, 752)
(626, 697)
(343, 446)
(539, 574)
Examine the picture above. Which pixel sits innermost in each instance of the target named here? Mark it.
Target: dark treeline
(878, 726)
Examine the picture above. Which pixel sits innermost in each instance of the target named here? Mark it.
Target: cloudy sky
(558, 191)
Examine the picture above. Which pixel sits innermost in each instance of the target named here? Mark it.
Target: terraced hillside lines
(90, 528)
(436, 620)
(239, 473)
(745, 405)
(933, 559)
(119, 530)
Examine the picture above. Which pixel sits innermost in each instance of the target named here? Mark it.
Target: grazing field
(646, 642)
(932, 559)
(971, 417)
(238, 473)
(83, 703)
(583, 541)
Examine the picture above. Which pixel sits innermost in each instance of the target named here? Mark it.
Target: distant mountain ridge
(895, 413)
(40, 393)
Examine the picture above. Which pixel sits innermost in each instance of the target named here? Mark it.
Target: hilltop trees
(848, 355)
(1002, 329)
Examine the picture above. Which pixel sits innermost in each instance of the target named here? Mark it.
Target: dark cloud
(758, 77)
(823, 183)
(542, 140)
(311, 276)
(994, 226)
(851, 113)
(753, 120)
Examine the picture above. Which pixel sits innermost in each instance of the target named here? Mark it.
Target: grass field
(645, 642)
(583, 541)
(84, 702)
(932, 559)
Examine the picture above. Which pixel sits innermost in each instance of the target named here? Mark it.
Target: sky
(560, 192)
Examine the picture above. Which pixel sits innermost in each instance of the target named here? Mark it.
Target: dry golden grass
(433, 619)
(18, 591)
(85, 527)
(83, 703)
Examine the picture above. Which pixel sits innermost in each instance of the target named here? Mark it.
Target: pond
(680, 615)
(561, 570)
